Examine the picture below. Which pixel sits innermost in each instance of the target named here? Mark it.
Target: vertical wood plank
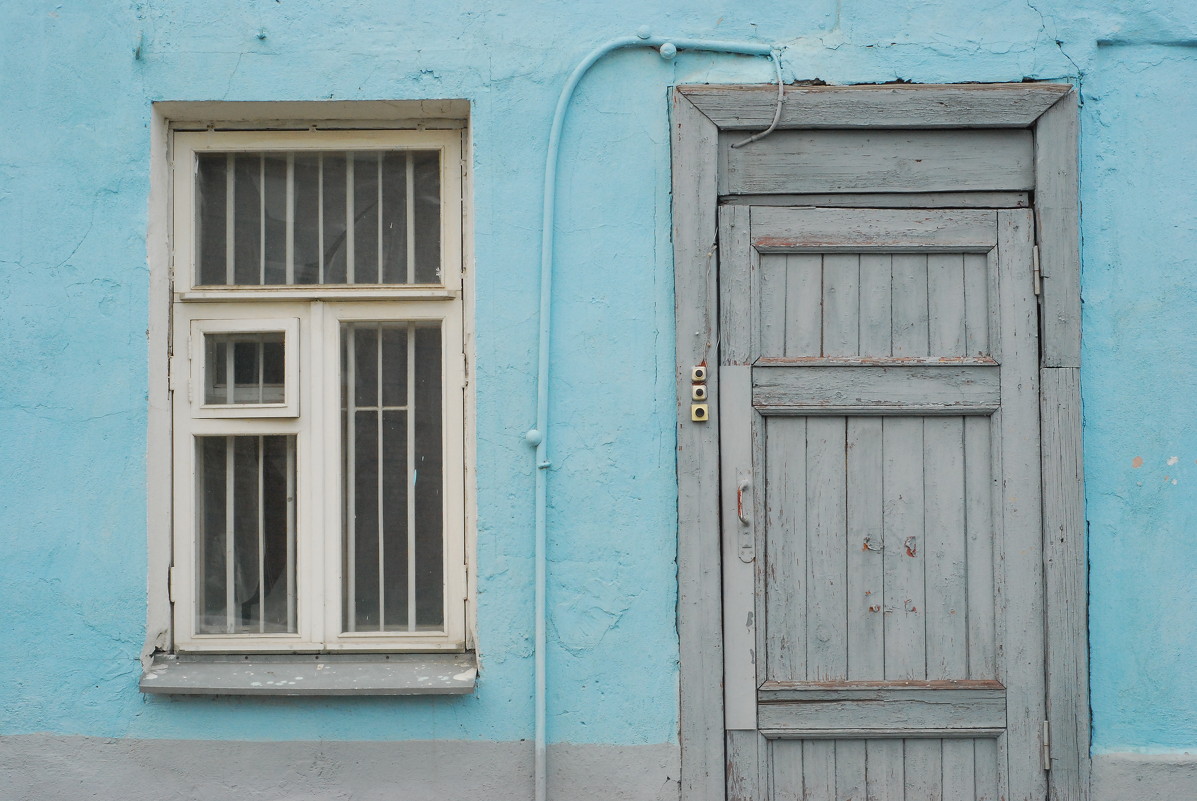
(885, 770)
(739, 577)
(804, 304)
(943, 550)
(849, 770)
(757, 505)
(773, 305)
(841, 304)
(694, 140)
(827, 647)
(737, 315)
(1057, 209)
(1064, 567)
(985, 770)
(976, 304)
(866, 617)
(1022, 531)
(959, 783)
(979, 534)
(785, 550)
(945, 304)
(997, 504)
(924, 771)
(902, 477)
(875, 300)
(818, 769)
(909, 307)
(786, 771)
(744, 780)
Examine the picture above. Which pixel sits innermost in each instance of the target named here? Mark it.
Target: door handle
(744, 512)
(741, 488)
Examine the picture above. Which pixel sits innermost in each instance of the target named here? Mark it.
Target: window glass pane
(246, 545)
(366, 220)
(274, 219)
(333, 177)
(426, 217)
(255, 363)
(427, 472)
(248, 265)
(307, 233)
(334, 217)
(392, 461)
(212, 213)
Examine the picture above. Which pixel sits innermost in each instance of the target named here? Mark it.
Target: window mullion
(323, 520)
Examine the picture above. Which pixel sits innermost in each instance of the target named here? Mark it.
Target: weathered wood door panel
(883, 591)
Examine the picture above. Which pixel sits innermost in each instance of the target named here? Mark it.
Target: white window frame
(311, 317)
(200, 327)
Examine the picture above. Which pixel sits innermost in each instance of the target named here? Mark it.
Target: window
(317, 371)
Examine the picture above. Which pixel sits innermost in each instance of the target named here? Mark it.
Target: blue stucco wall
(1140, 351)
(76, 83)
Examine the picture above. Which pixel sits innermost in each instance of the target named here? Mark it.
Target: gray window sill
(311, 674)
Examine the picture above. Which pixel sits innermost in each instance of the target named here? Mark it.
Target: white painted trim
(325, 114)
(242, 323)
(449, 316)
(158, 429)
(188, 145)
(469, 397)
(310, 306)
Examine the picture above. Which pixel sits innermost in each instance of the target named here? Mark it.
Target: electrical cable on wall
(538, 435)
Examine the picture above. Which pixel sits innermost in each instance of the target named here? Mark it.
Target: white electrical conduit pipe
(538, 435)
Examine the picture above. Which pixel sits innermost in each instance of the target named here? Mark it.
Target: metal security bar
(392, 460)
(247, 545)
(305, 218)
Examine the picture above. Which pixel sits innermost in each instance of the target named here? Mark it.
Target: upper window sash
(317, 214)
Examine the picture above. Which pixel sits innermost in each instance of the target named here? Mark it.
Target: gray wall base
(40, 767)
(1144, 777)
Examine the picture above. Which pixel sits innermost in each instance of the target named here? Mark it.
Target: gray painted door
(883, 594)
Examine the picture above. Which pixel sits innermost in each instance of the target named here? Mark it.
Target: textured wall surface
(1140, 348)
(36, 767)
(76, 83)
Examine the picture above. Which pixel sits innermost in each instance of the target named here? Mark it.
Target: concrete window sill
(311, 674)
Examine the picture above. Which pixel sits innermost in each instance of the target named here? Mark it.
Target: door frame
(1049, 110)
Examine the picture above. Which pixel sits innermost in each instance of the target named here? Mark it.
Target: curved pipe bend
(538, 435)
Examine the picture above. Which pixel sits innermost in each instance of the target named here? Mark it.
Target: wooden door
(882, 562)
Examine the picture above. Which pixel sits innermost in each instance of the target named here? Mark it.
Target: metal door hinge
(1047, 747)
(1036, 275)
(170, 584)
